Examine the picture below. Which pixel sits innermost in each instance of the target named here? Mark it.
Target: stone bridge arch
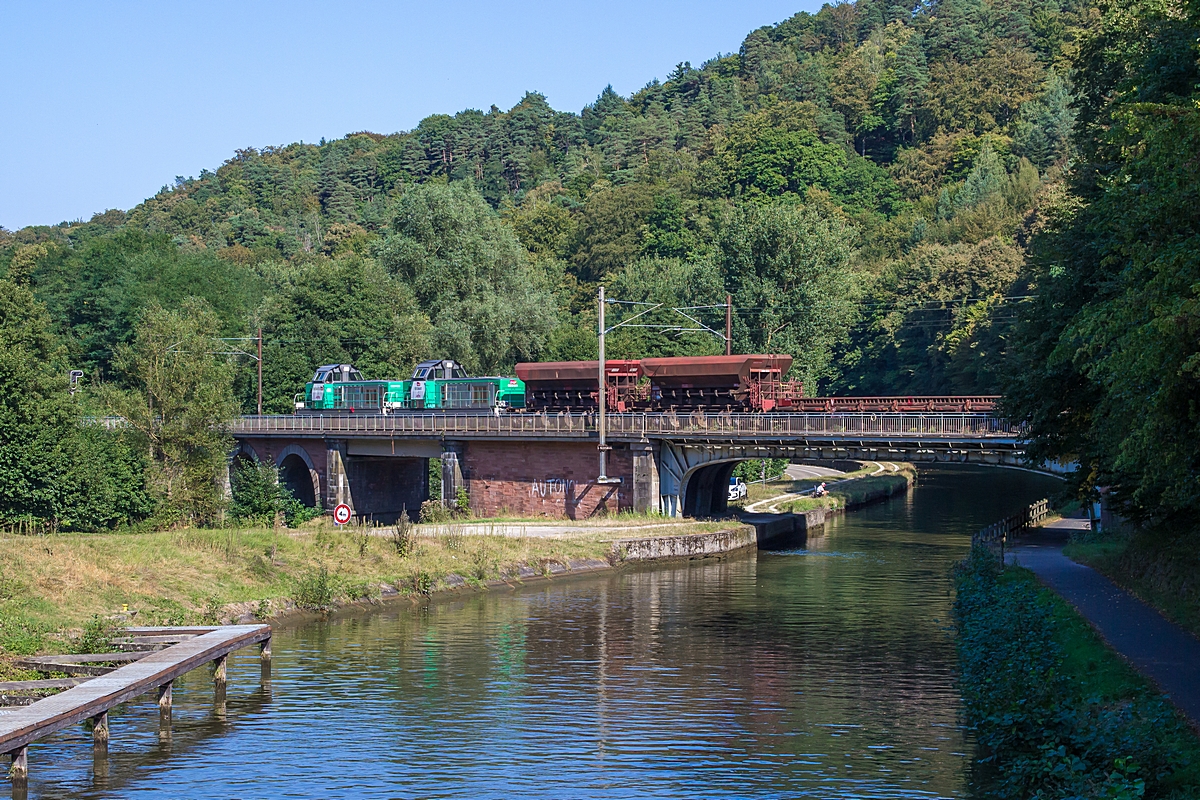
(694, 479)
(298, 473)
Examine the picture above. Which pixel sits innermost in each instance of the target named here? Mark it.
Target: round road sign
(341, 514)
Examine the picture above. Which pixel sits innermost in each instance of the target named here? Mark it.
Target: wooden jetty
(96, 689)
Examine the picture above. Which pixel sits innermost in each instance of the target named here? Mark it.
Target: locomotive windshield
(337, 373)
(438, 370)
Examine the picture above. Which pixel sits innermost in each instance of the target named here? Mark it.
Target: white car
(738, 490)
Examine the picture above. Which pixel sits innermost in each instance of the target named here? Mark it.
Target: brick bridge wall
(551, 479)
(535, 479)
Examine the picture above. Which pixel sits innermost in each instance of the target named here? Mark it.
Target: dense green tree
(55, 471)
(178, 406)
(788, 268)
(347, 311)
(610, 229)
(1108, 366)
(489, 306)
(676, 284)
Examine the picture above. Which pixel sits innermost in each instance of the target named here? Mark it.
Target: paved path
(1159, 649)
(800, 471)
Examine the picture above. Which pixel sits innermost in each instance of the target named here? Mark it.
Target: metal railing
(1000, 533)
(624, 426)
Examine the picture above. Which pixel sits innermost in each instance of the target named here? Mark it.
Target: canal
(825, 671)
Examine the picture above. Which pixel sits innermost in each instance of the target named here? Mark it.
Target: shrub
(97, 636)
(1042, 729)
(315, 590)
(433, 512)
(259, 498)
(404, 536)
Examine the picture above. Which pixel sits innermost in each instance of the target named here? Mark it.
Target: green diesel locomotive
(434, 386)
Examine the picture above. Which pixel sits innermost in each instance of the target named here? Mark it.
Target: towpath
(1158, 648)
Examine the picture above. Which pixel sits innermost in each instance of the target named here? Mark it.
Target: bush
(433, 512)
(1040, 725)
(755, 469)
(315, 590)
(259, 498)
(404, 536)
(97, 636)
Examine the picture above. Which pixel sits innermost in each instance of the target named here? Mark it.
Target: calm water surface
(819, 672)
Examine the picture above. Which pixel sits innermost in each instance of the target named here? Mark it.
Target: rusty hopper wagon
(717, 383)
(571, 385)
(735, 383)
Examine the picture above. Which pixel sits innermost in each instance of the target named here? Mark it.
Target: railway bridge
(546, 464)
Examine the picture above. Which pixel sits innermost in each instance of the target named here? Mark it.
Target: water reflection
(822, 672)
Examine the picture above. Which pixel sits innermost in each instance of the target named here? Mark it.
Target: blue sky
(104, 103)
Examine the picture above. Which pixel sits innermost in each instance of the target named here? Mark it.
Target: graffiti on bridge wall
(552, 487)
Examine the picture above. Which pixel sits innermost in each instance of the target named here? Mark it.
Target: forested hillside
(868, 183)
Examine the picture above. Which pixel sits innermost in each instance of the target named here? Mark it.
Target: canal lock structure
(822, 671)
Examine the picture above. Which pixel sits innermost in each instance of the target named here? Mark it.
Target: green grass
(51, 587)
(857, 492)
(1161, 565)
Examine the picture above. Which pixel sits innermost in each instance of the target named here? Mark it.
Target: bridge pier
(336, 480)
(646, 490)
(452, 474)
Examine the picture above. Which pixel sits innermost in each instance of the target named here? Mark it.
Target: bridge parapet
(639, 427)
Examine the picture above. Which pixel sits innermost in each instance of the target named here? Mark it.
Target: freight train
(708, 384)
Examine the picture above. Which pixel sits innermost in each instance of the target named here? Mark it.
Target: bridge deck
(625, 427)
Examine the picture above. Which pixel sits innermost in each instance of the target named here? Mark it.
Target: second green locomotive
(434, 386)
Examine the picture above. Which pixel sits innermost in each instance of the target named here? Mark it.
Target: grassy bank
(1055, 712)
(853, 489)
(51, 587)
(859, 492)
(1161, 565)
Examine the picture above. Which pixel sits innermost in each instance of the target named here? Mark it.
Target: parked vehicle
(738, 490)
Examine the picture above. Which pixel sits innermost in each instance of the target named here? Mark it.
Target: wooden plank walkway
(22, 725)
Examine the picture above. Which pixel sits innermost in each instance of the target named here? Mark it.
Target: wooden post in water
(100, 749)
(264, 655)
(19, 773)
(219, 674)
(164, 711)
(100, 733)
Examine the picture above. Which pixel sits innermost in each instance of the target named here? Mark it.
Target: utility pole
(260, 372)
(728, 325)
(601, 398)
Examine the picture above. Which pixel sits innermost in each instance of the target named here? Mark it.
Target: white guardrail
(624, 426)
